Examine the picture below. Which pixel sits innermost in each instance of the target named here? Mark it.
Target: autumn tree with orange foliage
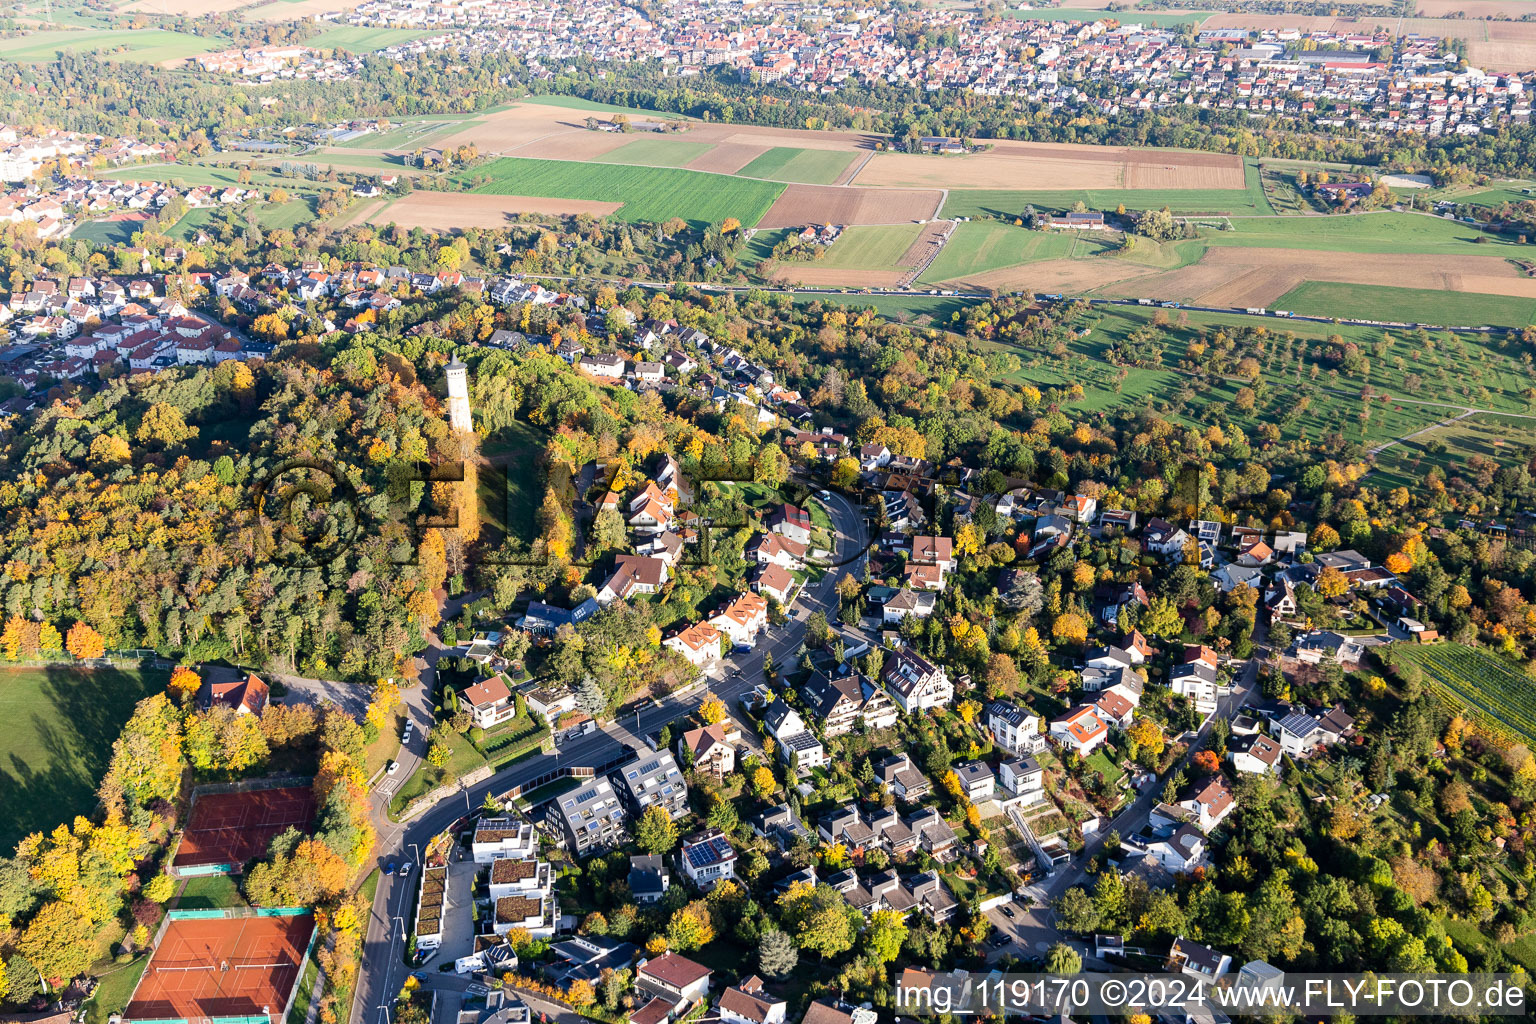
(184, 684)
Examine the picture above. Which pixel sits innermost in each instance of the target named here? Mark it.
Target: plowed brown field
(826, 204)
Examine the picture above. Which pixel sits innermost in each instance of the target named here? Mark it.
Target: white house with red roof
(1080, 730)
(490, 702)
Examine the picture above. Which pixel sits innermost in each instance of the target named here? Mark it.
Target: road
(383, 968)
(1032, 931)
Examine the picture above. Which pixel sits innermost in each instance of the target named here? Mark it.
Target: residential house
(247, 696)
(790, 521)
(915, 683)
(977, 780)
(648, 878)
(1258, 754)
(1014, 729)
(1199, 682)
(502, 838)
(523, 897)
(775, 550)
(673, 977)
(1023, 779)
(1164, 539)
(841, 702)
(1080, 730)
(1114, 709)
(654, 780)
(707, 859)
(711, 749)
(592, 818)
(632, 575)
(782, 825)
(797, 744)
(747, 1003)
(775, 582)
(490, 702)
(699, 644)
(742, 619)
(1209, 802)
(898, 774)
(1194, 960)
(1179, 849)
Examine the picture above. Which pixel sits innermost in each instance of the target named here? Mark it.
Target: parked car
(392, 767)
(389, 868)
(405, 869)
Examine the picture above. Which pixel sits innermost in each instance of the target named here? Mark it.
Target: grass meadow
(810, 166)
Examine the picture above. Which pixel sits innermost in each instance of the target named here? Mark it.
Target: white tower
(458, 397)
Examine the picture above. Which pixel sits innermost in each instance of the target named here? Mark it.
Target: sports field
(811, 166)
(1412, 305)
(656, 152)
(357, 39)
(648, 194)
(232, 828)
(243, 967)
(981, 246)
(110, 231)
(61, 722)
(151, 45)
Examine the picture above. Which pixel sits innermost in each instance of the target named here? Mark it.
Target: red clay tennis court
(231, 828)
(206, 968)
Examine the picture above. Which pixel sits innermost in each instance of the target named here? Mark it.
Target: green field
(980, 246)
(981, 202)
(108, 232)
(152, 45)
(357, 39)
(286, 215)
(210, 892)
(656, 151)
(871, 247)
(811, 166)
(1151, 18)
(648, 194)
(1413, 305)
(1380, 232)
(1510, 192)
(1497, 691)
(760, 246)
(63, 721)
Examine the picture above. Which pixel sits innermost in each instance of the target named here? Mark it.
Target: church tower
(458, 397)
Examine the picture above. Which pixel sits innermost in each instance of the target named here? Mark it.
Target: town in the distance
(736, 510)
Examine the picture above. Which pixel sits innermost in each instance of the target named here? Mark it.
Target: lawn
(899, 308)
(648, 194)
(63, 721)
(657, 151)
(283, 215)
(811, 166)
(980, 246)
(113, 990)
(871, 247)
(1497, 195)
(1494, 437)
(152, 45)
(760, 246)
(210, 892)
(513, 448)
(1380, 232)
(108, 232)
(1497, 691)
(357, 39)
(1411, 305)
(305, 992)
(979, 202)
(1149, 18)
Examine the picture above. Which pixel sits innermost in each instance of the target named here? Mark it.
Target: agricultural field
(870, 248)
(61, 723)
(577, 103)
(357, 39)
(1496, 195)
(1010, 203)
(648, 194)
(1499, 693)
(150, 45)
(811, 166)
(658, 151)
(981, 246)
(1415, 305)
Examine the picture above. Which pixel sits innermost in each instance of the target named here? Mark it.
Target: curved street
(383, 970)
